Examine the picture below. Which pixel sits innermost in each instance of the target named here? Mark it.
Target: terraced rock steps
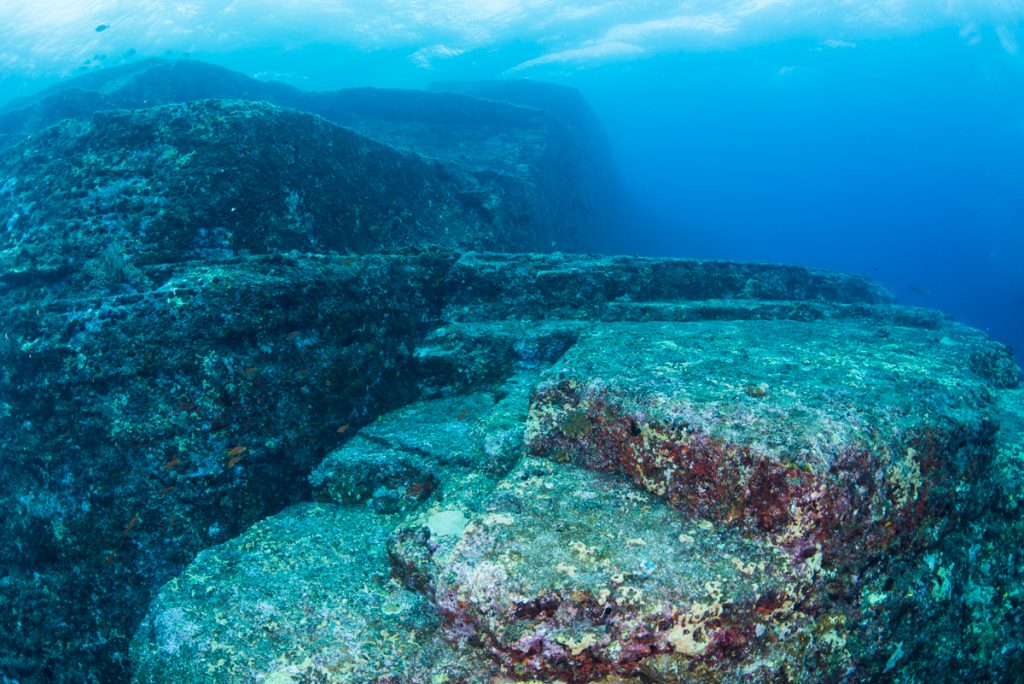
(224, 299)
(655, 501)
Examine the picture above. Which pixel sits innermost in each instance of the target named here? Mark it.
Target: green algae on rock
(562, 569)
(302, 596)
(819, 434)
(531, 178)
(838, 475)
(219, 178)
(398, 461)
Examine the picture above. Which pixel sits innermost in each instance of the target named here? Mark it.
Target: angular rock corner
(294, 430)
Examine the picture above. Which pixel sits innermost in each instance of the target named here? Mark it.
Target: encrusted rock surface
(518, 178)
(716, 501)
(527, 467)
(142, 427)
(398, 461)
(566, 574)
(303, 596)
(821, 436)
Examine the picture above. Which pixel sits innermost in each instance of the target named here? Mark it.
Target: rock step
(702, 503)
(397, 462)
(542, 286)
(302, 596)
(216, 178)
(838, 437)
(570, 574)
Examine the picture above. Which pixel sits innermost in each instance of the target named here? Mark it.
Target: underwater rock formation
(274, 444)
(510, 177)
(659, 501)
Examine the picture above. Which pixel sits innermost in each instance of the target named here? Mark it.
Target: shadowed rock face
(541, 467)
(532, 176)
(217, 178)
(666, 501)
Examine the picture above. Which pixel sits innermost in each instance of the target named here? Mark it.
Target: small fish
(131, 525)
(343, 429)
(167, 490)
(172, 464)
(250, 370)
(233, 462)
(236, 450)
(109, 558)
(102, 27)
(292, 335)
(463, 414)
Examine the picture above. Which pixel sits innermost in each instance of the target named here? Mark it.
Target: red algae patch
(848, 455)
(571, 574)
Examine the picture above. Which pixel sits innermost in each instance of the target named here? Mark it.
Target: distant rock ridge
(552, 178)
(215, 178)
(283, 400)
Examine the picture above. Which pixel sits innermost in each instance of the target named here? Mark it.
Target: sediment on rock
(526, 448)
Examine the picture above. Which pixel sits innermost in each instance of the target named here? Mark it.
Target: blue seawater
(878, 137)
(897, 159)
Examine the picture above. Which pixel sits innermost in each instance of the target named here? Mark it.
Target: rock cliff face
(535, 177)
(268, 414)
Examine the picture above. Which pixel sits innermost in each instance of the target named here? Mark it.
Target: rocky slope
(717, 492)
(276, 444)
(519, 159)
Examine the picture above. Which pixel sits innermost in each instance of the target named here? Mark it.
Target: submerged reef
(290, 394)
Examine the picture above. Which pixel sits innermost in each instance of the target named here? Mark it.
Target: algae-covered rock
(487, 286)
(302, 596)
(216, 179)
(531, 176)
(531, 467)
(463, 355)
(821, 435)
(677, 521)
(857, 442)
(569, 574)
(141, 428)
(399, 460)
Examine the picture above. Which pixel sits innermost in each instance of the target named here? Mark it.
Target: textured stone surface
(676, 521)
(567, 574)
(152, 393)
(490, 286)
(302, 596)
(165, 394)
(531, 175)
(821, 435)
(139, 429)
(860, 456)
(399, 460)
(217, 178)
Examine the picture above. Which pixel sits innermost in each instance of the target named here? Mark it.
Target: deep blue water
(899, 159)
